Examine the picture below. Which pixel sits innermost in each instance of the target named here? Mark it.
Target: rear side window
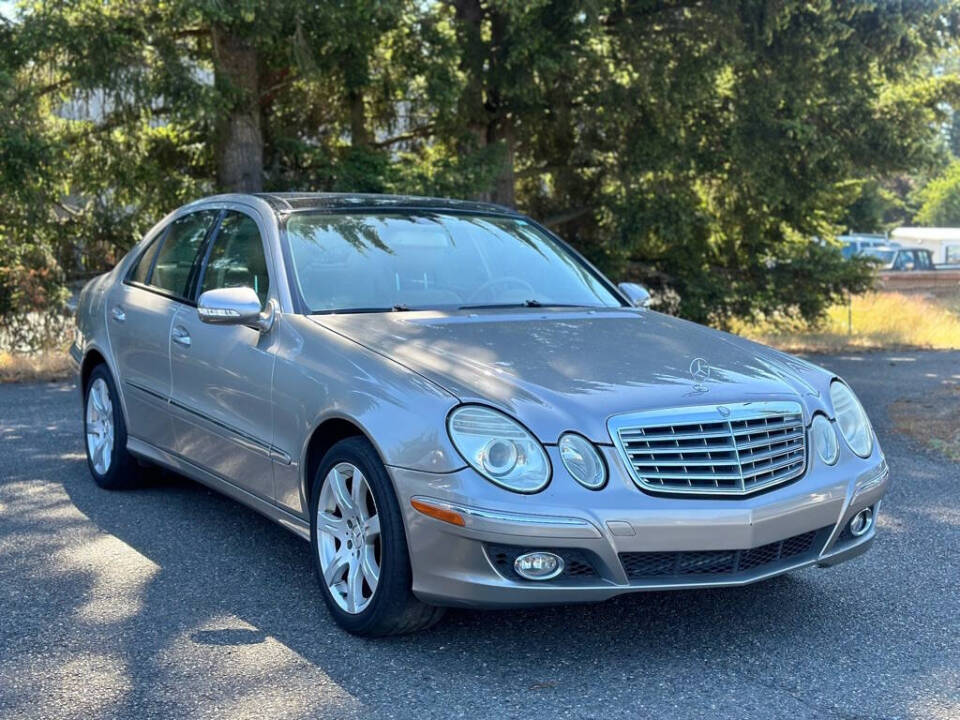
(176, 257)
(236, 258)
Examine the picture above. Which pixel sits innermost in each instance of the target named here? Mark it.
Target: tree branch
(566, 216)
(419, 132)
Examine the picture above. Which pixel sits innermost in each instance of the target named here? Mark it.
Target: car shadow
(217, 558)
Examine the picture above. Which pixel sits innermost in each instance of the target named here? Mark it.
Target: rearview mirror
(636, 293)
(235, 306)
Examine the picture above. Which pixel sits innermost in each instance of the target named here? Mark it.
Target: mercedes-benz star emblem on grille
(700, 369)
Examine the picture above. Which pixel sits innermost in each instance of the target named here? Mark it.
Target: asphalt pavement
(172, 601)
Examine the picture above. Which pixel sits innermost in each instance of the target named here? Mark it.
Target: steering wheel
(523, 285)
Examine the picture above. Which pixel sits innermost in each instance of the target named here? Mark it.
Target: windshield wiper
(524, 304)
(399, 307)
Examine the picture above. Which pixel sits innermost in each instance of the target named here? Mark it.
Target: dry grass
(933, 420)
(880, 321)
(45, 366)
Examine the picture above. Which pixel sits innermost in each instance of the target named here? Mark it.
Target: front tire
(359, 546)
(105, 434)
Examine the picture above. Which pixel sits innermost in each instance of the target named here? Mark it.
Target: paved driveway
(173, 601)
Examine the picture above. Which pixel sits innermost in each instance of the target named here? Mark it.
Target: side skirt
(296, 525)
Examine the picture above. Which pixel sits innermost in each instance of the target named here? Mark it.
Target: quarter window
(176, 258)
(236, 258)
(141, 273)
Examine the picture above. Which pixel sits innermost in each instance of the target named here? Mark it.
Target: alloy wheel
(99, 426)
(348, 538)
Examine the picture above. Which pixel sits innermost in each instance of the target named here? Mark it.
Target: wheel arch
(91, 359)
(324, 436)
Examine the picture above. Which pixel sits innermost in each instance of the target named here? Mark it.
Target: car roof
(854, 237)
(285, 202)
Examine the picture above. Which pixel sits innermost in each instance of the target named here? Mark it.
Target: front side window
(236, 257)
(378, 262)
(176, 258)
(905, 260)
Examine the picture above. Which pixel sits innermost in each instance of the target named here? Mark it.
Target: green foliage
(875, 207)
(939, 200)
(696, 147)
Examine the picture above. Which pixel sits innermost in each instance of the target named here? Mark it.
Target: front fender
(321, 375)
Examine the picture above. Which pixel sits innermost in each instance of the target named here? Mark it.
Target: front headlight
(582, 460)
(853, 422)
(499, 448)
(825, 439)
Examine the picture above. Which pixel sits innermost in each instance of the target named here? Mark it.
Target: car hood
(559, 370)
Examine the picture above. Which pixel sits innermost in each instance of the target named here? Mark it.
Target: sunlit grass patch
(872, 321)
(45, 366)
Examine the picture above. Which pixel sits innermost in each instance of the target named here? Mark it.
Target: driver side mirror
(235, 306)
(636, 293)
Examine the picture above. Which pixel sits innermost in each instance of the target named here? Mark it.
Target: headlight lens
(853, 422)
(499, 448)
(582, 460)
(825, 439)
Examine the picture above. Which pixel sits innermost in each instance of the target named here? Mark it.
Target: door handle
(118, 314)
(180, 336)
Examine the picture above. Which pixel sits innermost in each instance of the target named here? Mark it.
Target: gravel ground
(173, 601)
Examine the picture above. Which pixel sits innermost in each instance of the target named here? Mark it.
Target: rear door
(140, 312)
(223, 374)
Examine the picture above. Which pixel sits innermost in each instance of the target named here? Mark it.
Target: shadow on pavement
(210, 576)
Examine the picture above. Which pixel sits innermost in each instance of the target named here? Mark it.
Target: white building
(944, 243)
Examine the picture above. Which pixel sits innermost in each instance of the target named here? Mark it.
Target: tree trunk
(482, 105)
(239, 140)
(498, 109)
(504, 183)
(477, 105)
(359, 136)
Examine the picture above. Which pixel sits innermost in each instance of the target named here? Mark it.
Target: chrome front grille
(732, 449)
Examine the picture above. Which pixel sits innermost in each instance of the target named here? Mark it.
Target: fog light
(538, 565)
(861, 523)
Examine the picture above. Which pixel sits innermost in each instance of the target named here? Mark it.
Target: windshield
(884, 256)
(395, 261)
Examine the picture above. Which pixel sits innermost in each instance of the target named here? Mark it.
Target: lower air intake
(693, 566)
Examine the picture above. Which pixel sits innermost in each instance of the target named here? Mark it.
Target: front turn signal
(438, 512)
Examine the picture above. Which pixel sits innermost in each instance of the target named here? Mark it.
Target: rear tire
(359, 545)
(105, 434)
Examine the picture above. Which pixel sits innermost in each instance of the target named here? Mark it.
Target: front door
(223, 374)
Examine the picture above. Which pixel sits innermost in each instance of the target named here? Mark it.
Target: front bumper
(608, 537)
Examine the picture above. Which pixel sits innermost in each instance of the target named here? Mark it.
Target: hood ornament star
(700, 371)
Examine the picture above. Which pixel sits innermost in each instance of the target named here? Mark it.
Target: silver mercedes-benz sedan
(455, 408)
